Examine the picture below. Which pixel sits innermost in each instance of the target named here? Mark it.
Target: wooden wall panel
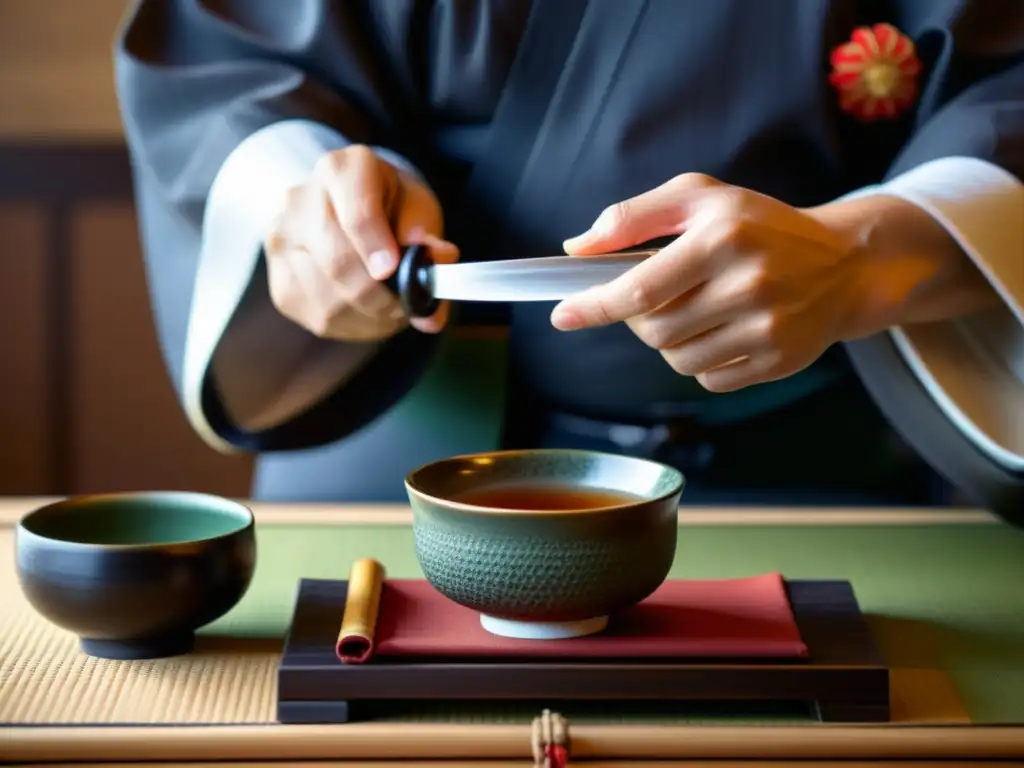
(56, 69)
(86, 403)
(127, 431)
(26, 419)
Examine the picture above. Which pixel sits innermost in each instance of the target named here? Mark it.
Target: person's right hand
(339, 235)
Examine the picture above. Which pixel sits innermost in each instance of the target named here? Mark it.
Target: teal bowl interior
(135, 574)
(137, 519)
(545, 536)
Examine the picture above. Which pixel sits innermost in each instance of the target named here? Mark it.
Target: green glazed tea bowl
(134, 575)
(545, 544)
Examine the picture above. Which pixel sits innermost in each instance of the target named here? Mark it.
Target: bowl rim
(411, 487)
(246, 518)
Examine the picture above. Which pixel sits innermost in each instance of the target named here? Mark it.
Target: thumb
(659, 212)
(441, 251)
(419, 221)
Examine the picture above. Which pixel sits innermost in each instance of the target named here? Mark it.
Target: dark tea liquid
(545, 498)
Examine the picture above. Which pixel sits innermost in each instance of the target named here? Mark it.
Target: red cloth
(724, 618)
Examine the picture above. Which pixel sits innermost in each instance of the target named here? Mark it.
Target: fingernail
(570, 244)
(381, 263)
(601, 227)
(564, 319)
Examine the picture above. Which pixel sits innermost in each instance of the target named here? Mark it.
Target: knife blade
(421, 285)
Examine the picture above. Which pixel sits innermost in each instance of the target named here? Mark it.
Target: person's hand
(339, 235)
(752, 290)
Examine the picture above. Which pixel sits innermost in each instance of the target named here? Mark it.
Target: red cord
(557, 755)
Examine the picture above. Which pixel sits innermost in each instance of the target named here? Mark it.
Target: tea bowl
(597, 536)
(134, 575)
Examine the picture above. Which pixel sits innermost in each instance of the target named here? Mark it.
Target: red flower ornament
(876, 73)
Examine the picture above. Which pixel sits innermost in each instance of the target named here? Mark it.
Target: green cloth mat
(954, 593)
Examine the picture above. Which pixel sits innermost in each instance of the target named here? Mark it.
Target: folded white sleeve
(973, 367)
(267, 369)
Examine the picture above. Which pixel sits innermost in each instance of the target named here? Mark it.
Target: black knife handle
(411, 282)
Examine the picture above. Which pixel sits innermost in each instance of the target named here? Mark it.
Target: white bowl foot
(542, 630)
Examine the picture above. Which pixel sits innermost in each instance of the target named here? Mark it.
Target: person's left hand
(752, 290)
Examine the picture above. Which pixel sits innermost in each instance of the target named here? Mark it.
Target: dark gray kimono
(527, 118)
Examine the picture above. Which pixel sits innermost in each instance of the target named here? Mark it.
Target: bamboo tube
(362, 605)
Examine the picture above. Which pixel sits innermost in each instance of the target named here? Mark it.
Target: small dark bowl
(134, 575)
